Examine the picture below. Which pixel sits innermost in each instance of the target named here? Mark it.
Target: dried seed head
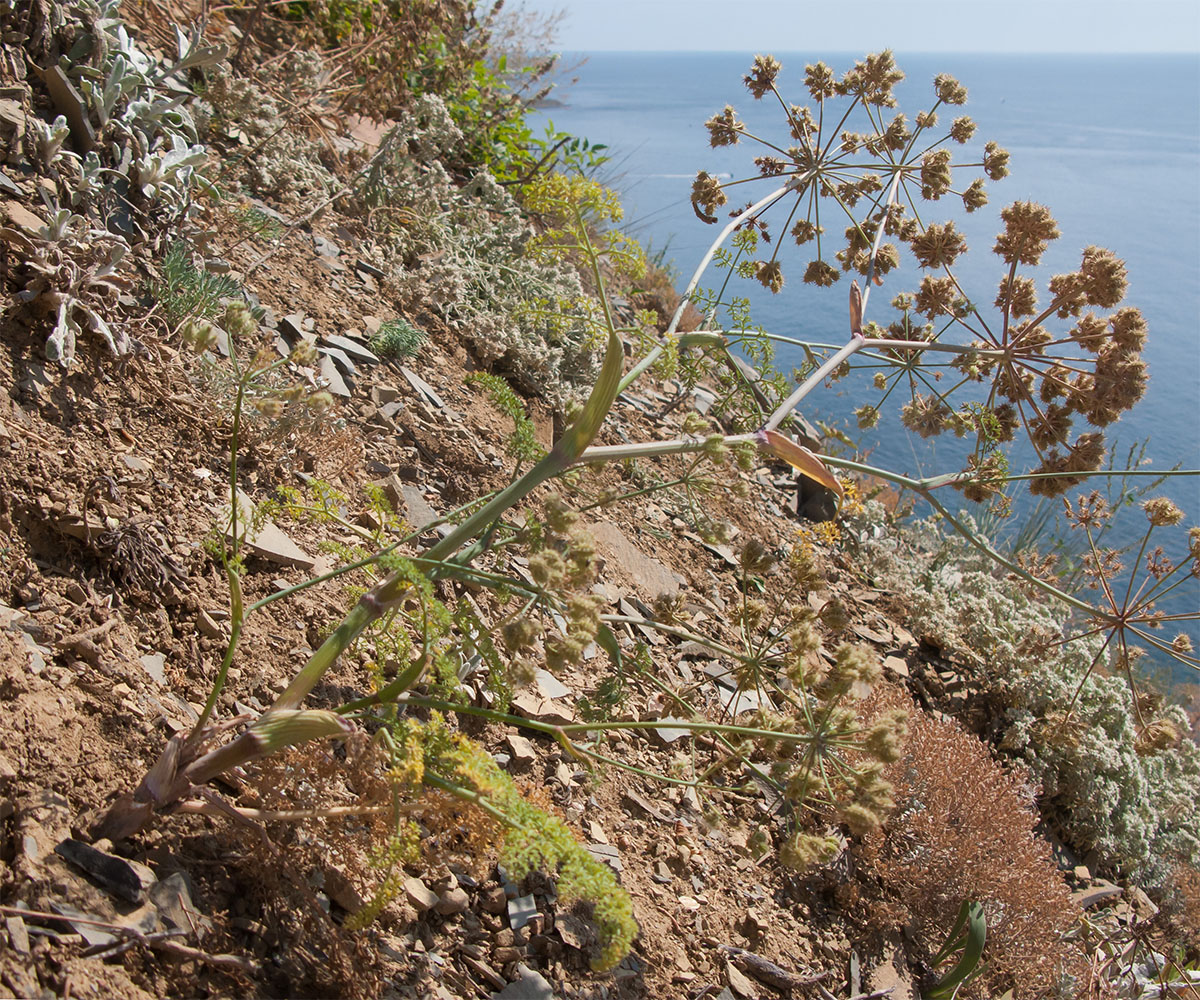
(770, 166)
(975, 196)
(520, 633)
(1128, 329)
(1161, 512)
(854, 670)
(560, 517)
(564, 651)
(199, 335)
(834, 615)
(938, 246)
(885, 739)
(897, 134)
(860, 819)
(547, 568)
(707, 196)
(949, 90)
(821, 274)
(239, 321)
(753, 612)
(1156, 737)
(927, 416)
(804, 231)
(715, 449)
(1104, 281)
(754, 558)
(746, 455)
(873, 79)
(820, 81)
(671, 609)
(935, 173)
(937, 297)
(319, 402)
(1090, 332)
(522, 672)
(761, 78)
(724, 129)
(303, 354)
(995, 161)
(770, 275)
(962, 129)
(1028, 228)
(801, 851)
(583, 614)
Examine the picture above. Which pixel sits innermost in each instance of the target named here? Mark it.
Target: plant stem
(236, 616)
(785, 408)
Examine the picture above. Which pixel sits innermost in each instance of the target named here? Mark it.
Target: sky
(869, 25)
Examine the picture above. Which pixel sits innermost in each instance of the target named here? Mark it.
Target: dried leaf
(856, 309)
(800, 459)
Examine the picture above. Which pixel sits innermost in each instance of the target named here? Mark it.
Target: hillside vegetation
(409, 589)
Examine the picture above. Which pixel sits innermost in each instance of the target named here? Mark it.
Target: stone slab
(269, 541)
(352, 348)
(650, 575)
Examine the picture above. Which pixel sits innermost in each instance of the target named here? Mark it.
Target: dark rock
(128, 879)
(814, 502)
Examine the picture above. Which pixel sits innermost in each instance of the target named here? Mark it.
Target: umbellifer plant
(1030, 379)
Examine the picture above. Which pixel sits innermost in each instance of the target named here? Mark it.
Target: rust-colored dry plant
(963, 831)
(1181, 915)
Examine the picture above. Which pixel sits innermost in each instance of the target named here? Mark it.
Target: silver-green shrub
(461, 252)
(1135, 804)
(280, 160)
(139, 176)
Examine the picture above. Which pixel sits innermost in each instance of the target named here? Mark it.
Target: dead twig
(159, 940)
(767, 972)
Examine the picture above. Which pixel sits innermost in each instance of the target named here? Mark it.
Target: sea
(1110, 143)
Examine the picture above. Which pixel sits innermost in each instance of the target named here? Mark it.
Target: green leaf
(606, 639)
(970, 934)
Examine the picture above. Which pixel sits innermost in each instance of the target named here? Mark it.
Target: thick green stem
(925, 488)
(365, 612)
(678, 446)
(471, 796)
(785, 408)
(564, 453)
(1007, 563)
(237, 616)
(559, 732)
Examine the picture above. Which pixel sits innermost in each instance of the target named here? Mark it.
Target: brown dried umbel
(832, 171)
(1128, 613)
(1075, 358)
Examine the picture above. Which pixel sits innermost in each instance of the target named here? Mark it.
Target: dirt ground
(114, 617)
(112, 629)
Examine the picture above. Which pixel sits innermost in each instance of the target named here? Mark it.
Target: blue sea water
(1111, 143)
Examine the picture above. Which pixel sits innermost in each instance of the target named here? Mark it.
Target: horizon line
(910, 52)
